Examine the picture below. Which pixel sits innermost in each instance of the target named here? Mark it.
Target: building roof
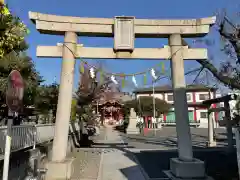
(167, 88)
(114, 97)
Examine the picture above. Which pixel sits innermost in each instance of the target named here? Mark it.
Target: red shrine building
(195, 95)
(110, 105)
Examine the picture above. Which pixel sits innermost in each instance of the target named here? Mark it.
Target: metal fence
(25, 136)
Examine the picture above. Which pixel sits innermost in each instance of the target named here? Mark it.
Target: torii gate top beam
(58, 25)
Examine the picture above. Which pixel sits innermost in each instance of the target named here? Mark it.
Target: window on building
(203, 115)
(203, 97)
(170, 97)
(189, 97)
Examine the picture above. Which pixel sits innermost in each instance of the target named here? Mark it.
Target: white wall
(203, 121)
(188, 94)
(189, 108)
(160, 96)
(197, 94)
(138, 95)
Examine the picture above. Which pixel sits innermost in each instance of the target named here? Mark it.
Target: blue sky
(156, 9)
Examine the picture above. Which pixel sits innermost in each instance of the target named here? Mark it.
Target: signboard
(15, 90)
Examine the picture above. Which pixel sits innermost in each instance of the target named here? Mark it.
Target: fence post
(237, 136)
(34, 136)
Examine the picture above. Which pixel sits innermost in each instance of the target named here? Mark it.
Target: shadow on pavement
(219, 165)
(172, 142)
(130, 174)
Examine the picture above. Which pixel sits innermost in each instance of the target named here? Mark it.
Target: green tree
(12, 33)
(47, 98)
(13, 56)
(143, 106)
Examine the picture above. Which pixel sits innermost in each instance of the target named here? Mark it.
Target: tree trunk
(226, 80)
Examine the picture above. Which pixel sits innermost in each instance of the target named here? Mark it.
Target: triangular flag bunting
(92, 73)
(82, 68)
(144, 79)
(153, 74)
(163, 68)
(114, 80)
(123, 81)
(134, 81)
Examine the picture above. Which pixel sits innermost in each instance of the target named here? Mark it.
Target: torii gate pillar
(180, 99)
(185, 166)
(61, 167)
(60, 142)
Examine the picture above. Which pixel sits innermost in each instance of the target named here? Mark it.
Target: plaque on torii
(124, 30)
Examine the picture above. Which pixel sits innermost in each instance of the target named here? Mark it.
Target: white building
(195, 95)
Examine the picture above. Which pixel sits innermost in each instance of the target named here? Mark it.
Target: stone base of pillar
(59, 170)
(212, 144)
(172, 177)
(132, 131)
(186, 170)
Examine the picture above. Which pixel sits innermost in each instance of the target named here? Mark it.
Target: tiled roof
(167, 88)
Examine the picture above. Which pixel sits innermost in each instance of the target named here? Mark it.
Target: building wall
(200, 114)
(157, 95)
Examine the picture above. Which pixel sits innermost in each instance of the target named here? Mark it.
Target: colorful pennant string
(145, 79)
(114, 80)
(92, 73)
(123, 81)
(101, 74)
(82, 68)
(152, 71)
(153, 74)
(162, 68)
(134, 81)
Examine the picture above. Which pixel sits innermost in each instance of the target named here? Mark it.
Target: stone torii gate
(124, 30)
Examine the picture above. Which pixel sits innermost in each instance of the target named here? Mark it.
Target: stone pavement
(117, 163)
(166, 139)
(108, 159)
(153, 153)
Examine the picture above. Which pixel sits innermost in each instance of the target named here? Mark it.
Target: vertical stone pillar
(185, 166)
(228, 126)
(211, 141)
(180, 100)
(64, 98)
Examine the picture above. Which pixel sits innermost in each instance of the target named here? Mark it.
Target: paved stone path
(154, 153)
(166, 139)
(107, 159)
(117, 162)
